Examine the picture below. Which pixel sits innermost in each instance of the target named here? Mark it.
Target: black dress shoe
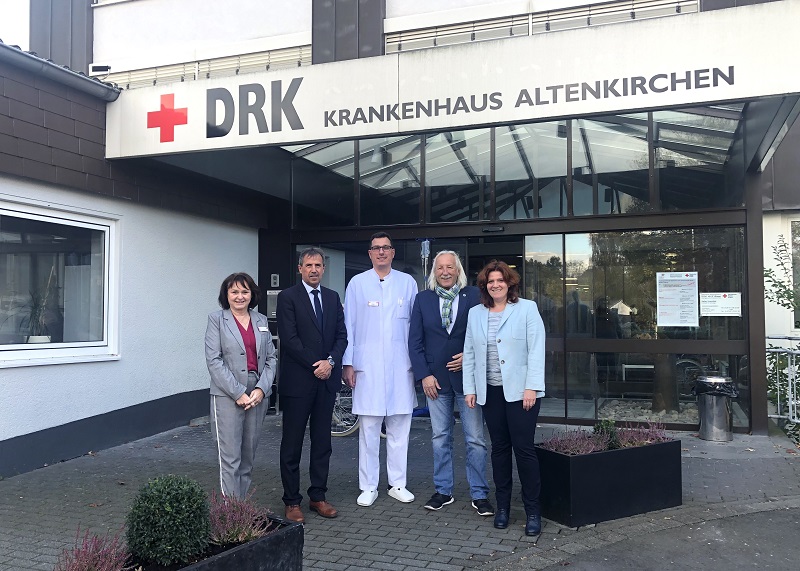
(533, 526)
(501, 518)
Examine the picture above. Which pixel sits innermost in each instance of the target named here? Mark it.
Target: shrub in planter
(233, 534)
(94, 553)
(576, 443)
(235, 521)
(585, 482)
(606, 436)
(169, 521)
(633, 436)
(608, 429)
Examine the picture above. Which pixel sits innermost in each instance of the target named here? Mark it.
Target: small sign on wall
(676, 299)
(721, 304)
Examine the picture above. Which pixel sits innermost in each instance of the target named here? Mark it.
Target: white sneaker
(401, 494)
(368, 497)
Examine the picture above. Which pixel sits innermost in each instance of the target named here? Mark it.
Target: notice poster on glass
(721, 304)
(676, 299)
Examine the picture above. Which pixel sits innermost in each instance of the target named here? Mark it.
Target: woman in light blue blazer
(504, 373)
(241, 360)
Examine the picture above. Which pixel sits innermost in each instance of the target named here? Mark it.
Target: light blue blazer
(520, 346)
(227, 359)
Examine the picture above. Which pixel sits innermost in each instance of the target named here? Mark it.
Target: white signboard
(726, 304)
(676, 299)
(602, 69)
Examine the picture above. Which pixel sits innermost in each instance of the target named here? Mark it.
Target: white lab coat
(377, 316)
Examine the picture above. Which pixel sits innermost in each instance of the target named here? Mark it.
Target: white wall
(146, 33)
(137, 34)
(171, 267)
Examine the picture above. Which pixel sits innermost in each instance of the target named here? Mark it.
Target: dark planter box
(281, 550)
(580, 490)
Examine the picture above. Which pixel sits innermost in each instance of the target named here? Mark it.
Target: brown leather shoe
(323, 508)
(294, 513)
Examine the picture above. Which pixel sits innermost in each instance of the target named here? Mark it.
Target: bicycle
(343, 421)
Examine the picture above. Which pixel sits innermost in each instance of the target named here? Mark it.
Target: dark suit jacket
(303, 344)
(430, 347)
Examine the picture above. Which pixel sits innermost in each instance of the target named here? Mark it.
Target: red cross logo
(167, 117)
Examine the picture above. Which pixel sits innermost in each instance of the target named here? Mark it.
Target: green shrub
(607, 428)
(169, 521)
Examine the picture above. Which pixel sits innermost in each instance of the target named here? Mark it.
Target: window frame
(793, 330)
(107, 349)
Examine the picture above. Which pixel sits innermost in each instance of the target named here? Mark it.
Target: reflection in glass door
(606, 356)
(346, 259)
(606, 353)
(481, 251)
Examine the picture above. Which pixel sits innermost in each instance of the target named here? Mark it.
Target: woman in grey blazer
(504, 373)
(241, 360)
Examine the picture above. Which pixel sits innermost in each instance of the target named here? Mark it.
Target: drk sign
(517, 80)
(251, 97)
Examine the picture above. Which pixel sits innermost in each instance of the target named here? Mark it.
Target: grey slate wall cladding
(346, 29)
(54, 134)
(708, 5)
(778, 182)
(62, 31)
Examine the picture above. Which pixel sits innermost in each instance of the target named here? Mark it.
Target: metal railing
(405, 40)
(536, 23)
(783, 377)
(284, 58)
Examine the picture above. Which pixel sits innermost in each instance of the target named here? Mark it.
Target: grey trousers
(236, 432)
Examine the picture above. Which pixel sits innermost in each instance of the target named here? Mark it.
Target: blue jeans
(442, 418)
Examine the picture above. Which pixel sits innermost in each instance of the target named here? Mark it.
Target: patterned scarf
(448, 295)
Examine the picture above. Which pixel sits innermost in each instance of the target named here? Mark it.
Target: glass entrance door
(607, 355)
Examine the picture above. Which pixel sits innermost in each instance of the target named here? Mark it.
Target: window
(322, 185)
(54, 286)
(389, 175)
(457, 175)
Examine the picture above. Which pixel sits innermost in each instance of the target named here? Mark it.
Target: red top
(249, 338)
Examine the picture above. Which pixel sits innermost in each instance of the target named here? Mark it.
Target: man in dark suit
(313, 339)
(436, 346)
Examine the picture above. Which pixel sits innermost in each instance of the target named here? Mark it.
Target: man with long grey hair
(435, 346)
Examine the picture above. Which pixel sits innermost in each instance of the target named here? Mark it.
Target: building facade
(620, 155)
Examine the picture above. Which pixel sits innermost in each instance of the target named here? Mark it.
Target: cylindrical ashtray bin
(714, 407)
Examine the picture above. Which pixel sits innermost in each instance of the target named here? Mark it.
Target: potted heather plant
(94, 553)
(589, 477)
(173, 526)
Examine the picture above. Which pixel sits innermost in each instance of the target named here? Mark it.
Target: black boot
(501, 518)
(533, 525)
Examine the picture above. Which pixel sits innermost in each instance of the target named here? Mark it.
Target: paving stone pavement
(41, 511)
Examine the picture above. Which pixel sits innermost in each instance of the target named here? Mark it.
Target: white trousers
(398, 428)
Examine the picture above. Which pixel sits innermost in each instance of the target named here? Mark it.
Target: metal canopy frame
(700, 139)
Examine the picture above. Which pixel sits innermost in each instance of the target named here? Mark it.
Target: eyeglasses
(381, 248)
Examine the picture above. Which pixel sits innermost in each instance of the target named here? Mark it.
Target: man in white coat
(377, 308)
